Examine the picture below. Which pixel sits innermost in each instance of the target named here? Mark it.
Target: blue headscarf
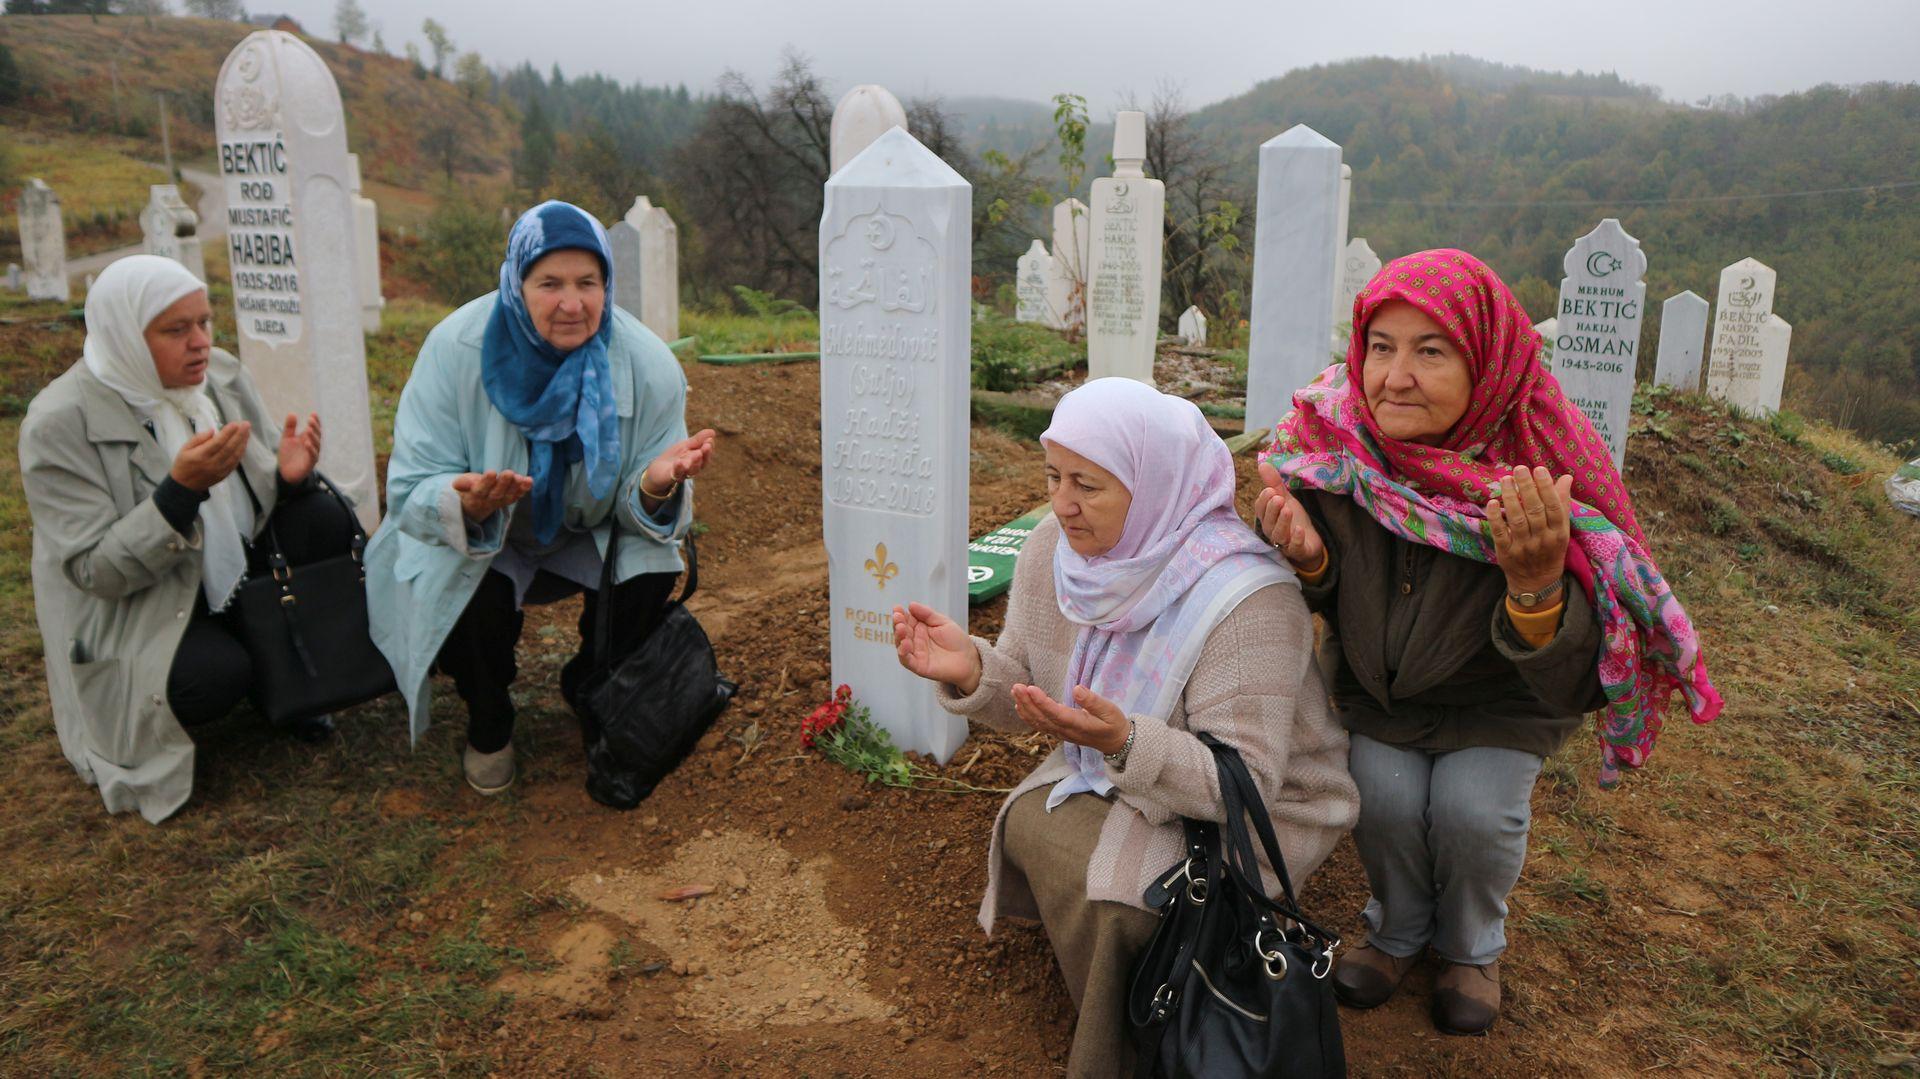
(562, 402)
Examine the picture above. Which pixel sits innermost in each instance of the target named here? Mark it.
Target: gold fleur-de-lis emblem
(882, 570)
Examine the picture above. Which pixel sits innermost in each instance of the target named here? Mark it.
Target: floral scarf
(1435, 494)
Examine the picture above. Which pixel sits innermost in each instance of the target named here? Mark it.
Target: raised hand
(482, 494)
(1529, 519)
(299, 450)
(1284, 521)
(210, 456)
(682, 460)
(932, 646)
(1097, 724)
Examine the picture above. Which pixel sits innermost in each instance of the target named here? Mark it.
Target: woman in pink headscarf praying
(1143, 614)
(1460, 526)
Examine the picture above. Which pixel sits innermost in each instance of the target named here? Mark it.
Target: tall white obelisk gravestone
(1296, 235)
(1123, 282)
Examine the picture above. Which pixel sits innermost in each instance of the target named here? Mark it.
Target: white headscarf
(124, 300)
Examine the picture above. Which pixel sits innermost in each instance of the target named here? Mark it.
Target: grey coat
(113, 584)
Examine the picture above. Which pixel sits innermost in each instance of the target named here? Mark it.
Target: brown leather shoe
(1366, 976)
(1466, 1000)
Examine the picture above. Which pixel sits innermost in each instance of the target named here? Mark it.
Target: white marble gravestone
(646, 259)
(863, 114)
(1548, 330)
(1683, 340)
(1032, 276)
(1072, 243)
(1123, 274)
(1358, 264)
(366, 232)
(895, 337)
(172, 230)
(1597, 343)
(1340, 250)
(1739, 367)
(43, 242)
(291, 248)
(1193, 328)
(14, 281)
(1295, 239)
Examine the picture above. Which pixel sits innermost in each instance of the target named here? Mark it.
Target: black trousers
(211, 671)
(478, 654)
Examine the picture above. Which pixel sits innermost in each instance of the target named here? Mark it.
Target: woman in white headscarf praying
(149, 466)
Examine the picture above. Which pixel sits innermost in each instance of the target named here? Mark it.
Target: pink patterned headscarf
(1436, 494)
(1184, 560)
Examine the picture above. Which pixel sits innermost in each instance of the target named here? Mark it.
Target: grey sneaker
(489, 773)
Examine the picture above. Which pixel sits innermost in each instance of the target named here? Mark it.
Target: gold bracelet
(671, 490)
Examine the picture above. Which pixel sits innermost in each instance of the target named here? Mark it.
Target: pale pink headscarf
(1185, 560)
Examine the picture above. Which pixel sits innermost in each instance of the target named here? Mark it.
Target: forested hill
(1515, 165)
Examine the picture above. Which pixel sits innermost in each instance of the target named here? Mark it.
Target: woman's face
(181, 341)
(1416, 381)
(566, 294)
(1090, 503)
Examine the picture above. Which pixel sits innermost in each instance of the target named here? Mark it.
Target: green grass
(101, 184)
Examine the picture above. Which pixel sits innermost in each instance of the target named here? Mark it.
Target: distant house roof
(277, 22)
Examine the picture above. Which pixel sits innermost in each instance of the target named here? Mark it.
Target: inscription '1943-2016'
(879, 341)
(260, 242)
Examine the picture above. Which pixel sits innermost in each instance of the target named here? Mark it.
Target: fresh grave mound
(758, 947)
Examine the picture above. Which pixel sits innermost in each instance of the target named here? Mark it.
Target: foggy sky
(1032, 49)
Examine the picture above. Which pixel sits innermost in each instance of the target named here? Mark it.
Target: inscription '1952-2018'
(878, 339)
(260, 242)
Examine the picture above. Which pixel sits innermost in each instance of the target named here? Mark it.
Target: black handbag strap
(1243, 802)
(603, 614)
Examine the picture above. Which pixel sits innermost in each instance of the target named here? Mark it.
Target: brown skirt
(1095, 942)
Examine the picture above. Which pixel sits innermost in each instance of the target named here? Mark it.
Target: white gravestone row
(862, 115)
(1683, 339)
(43, 242)
(366, 231)
(1123, 276)
(646, 258)
(1193, 328)
(1597, 336)
(1295, 239)
(291, 247)
(172, 230)
(1749, 360)
(1072, 243)
(895, 338)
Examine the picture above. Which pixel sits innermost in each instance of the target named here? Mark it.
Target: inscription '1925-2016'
(879, 341)
(260, 241)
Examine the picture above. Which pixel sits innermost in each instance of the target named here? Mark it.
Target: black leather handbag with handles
(1233, 983)
(305, 628)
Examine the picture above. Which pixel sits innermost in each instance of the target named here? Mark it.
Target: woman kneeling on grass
(147, 484)
(537, 418)
(1154, 614)
(1460, 526)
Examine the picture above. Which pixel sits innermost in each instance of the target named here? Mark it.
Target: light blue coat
(426, 561)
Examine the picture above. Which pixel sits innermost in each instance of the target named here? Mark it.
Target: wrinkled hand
(682, 460)
(1529, 520)
(299, 450)
(1284, 521)
(1097, 724)
(932, 646)
(482, 494)
(210, 456)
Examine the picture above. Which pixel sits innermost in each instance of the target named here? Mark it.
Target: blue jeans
(1442, 837)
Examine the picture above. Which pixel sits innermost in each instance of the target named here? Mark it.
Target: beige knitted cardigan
(1256, 688)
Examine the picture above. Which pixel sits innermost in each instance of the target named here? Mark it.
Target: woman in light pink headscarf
(1143, 613)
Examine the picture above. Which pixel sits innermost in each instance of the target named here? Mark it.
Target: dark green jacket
(1418, 651)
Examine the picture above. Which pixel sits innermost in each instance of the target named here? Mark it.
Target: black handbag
(1233, 983)
(305, 628)
(641, 717)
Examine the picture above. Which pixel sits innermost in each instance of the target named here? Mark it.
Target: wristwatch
(1117, 760)
(1535, 599)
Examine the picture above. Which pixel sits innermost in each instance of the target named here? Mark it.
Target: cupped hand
(1284, 521)
(934, 647)
(210, 456)
(482, 494)
(299, 449)
(1097, 724)
(1530, 520)
(681, 461)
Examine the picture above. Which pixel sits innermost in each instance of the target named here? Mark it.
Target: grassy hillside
(101, 77)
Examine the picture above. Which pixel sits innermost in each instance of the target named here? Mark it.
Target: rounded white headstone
(1130, 136)
(864, 114)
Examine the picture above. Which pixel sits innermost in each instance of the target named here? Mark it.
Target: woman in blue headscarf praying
(536, 419)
